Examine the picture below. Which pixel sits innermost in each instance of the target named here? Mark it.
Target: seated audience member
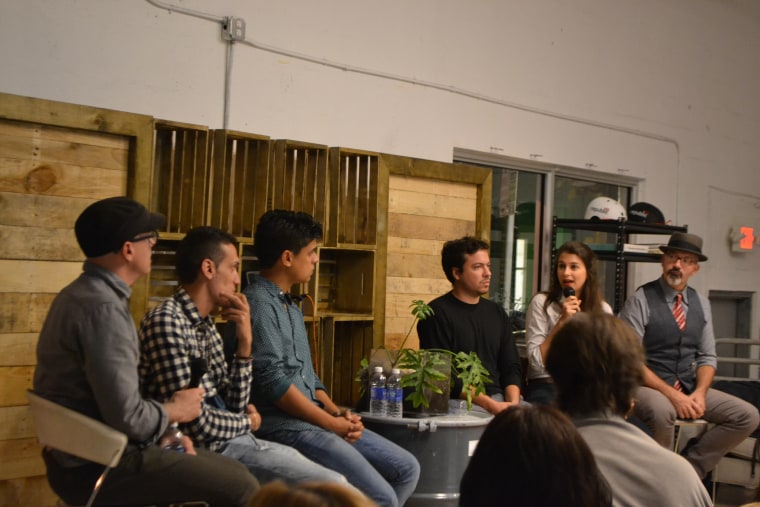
(597, 364)
(181, 330)
(296, 409)
(574, 274)
(314, 494)
(674, 323)
(464, 321)
(532, 456)
(87, 359)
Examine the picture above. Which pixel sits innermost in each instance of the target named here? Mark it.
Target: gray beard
(674, 280)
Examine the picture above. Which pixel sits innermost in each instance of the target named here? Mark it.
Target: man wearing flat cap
(87, 358)
(675, 325)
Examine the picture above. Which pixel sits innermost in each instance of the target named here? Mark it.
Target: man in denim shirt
(295, 407)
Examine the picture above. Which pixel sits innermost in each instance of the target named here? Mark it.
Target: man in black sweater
(465, 322)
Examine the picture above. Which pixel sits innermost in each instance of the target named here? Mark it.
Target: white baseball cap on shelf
(605, 208)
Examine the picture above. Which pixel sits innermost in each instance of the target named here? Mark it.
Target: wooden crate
(239, 179)
(353, 197)
(344, 342)
(344, 281)
(181, 175)
(299, 179)
(163, 280)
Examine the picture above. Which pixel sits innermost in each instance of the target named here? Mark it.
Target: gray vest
(672, 353)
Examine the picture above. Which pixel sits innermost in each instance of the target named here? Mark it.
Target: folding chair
(69, 431)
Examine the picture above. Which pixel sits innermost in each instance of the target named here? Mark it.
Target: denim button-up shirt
(281, 355)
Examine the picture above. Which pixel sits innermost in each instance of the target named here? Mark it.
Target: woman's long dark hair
(591, 294)
(533, 457)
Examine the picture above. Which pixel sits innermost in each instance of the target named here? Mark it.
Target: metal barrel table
(442, 444)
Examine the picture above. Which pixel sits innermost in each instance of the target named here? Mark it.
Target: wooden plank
(16, 422)
(432, 205)
(61, 179)
(404, 285)
(27, 491)
(437, 187)
(39, 243)
(413, 265)
(85, 137)
(23, 312)
(52, 152)
(18, 349)
(37, 276)
(14, 381)
(414, 226)
(21, 458)
(30, 210)
(414, 245)
(398, 305)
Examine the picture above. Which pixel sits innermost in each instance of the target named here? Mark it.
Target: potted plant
(427, 373)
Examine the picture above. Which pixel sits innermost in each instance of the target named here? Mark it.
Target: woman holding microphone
(574, 288)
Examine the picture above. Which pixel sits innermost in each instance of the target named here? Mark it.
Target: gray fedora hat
(685, 242)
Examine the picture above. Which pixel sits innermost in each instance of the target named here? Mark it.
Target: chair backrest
(69, 431)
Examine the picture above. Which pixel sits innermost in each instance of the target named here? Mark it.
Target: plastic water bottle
(395, 394)
(377, 393)
(171, 440)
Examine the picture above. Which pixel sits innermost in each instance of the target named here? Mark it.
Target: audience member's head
(309, 494)
(533, 457)
(596, 361)
(454, 252)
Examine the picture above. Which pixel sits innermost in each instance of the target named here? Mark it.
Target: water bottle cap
(395, 370)
(379, 369)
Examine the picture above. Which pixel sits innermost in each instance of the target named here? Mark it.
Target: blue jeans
(269, 461)
(376, 466)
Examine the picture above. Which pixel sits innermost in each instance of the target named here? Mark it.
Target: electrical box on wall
(233, 29)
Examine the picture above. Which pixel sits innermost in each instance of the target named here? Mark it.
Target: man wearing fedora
(675, 325)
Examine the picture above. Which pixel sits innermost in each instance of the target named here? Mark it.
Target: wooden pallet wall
(429, 203)
(55, 159)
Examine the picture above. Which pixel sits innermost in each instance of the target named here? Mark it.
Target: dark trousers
(154, 476)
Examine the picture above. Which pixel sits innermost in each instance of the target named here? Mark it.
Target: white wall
(662, 90)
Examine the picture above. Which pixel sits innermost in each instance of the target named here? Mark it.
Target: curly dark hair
(453, 252)
(597, 363)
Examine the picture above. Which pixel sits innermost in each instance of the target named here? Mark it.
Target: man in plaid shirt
(182, 328)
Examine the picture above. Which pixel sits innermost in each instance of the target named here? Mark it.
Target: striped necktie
(678, 313)
(680, 317)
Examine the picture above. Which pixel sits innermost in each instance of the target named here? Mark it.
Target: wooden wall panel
(429, 203)
(55, 159)
(422, 215)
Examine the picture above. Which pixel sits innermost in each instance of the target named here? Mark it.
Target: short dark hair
(279, 230)
(597, 363)
(519, 449)
(199, 244)
(453, 252)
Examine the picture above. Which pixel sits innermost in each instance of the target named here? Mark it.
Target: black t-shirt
(482, 328)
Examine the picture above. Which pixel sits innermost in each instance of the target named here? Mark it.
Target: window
(525, 197)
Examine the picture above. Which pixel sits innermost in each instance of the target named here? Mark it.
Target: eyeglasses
(151, 236)
(686, 261)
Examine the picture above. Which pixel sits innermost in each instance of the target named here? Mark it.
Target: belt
(540, 380)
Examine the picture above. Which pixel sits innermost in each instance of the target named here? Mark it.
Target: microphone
(568, 291)
(198, 368)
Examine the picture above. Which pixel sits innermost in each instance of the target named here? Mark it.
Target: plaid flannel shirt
(172, 334)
